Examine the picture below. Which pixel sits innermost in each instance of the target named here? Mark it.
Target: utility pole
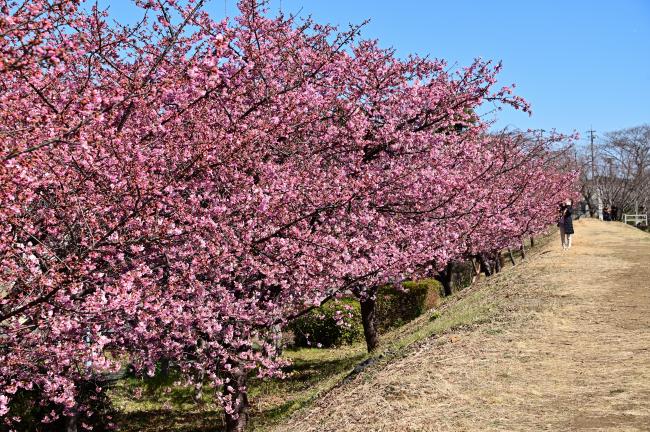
(591, 137)
(591, 132)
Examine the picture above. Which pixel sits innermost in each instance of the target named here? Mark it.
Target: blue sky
(579, 63)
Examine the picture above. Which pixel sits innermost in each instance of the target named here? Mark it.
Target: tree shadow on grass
(271, 399)
(172, 420)
(274, 400)
(307, 372)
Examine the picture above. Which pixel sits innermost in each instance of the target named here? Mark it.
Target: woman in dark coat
(566, 223)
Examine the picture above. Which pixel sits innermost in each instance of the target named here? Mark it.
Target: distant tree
(624, 176)
(619, 173)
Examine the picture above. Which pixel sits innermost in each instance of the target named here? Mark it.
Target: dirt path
(567, 349)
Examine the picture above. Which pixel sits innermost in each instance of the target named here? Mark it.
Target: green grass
(166, 405)
(312, 373)
(162, 404)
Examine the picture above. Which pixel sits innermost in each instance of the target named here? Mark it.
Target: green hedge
(395, 307)
(319, 327)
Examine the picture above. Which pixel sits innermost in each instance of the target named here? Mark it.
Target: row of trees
(618, 171)
(180, 189)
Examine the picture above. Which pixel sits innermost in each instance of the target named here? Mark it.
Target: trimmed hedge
(319, 327)
(395, 308)
(337, 322)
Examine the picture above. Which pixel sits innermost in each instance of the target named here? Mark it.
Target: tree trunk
(164, 368)
(498, 264)
(523, 251)
(198, 387)
(477, 269)
(368, 302)
(485, 265)
(237, 420)
(512, 257)
(277, 338)
(71, 421)
(445, 278)
(532, 241)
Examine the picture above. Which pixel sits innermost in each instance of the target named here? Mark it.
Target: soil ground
(566, 347)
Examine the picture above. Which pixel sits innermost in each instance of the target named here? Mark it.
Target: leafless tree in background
(626, 169)
(621, 171)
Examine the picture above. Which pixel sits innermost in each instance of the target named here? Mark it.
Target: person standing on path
(566, 223)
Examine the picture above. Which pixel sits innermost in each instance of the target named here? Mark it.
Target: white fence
(635, 218)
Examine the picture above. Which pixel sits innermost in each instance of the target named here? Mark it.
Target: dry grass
(559, 343)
